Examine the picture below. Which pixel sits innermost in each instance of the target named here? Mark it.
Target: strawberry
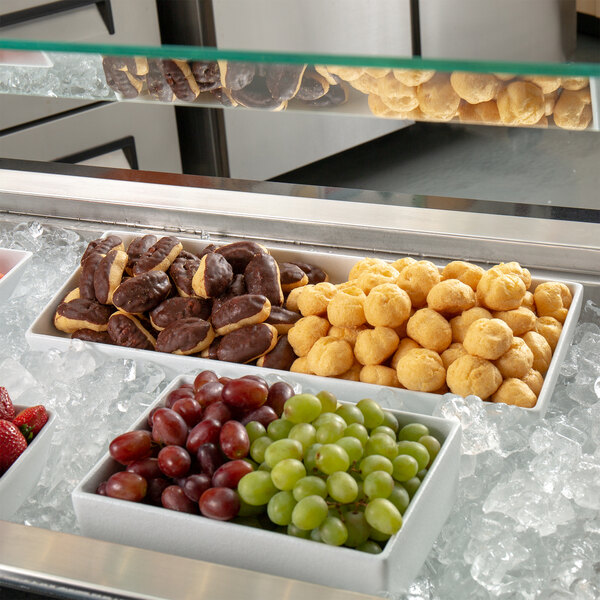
(7, 410)
(30, 420)
(12, 444)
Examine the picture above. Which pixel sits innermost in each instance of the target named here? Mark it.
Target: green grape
(280, 508)
(304, 433)
(309, 486)
(358, 431)
(256, 488)
(309, 512)
(416, 450)
(255, 430)
(251, 462)
(247, 510)
(421, 474)
(315, 535)
(412, 485)
(350, 413)
(331, 458)
(264, 467)
(389, 420)
(378, 536)
(357, 527)
(378, 484)
(287, 472)
(342, 487)
(412, 432)
(279, 429)
(370, 546)
(375, 462)
(433, 446)
(258, 448)
(399, 498)
(302, 408)
(310, 459)
(383, 444)
(382, 515)
(333, 531)
(352, 446)
(361, 490)
(297, 532)
(282, 449)
(384, 429)
(326, 418)
(327, 433)
(328, 402)
(372, 412)
(405, 467)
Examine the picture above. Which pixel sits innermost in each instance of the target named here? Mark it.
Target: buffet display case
(511, 508)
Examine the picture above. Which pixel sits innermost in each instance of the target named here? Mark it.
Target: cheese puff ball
(396, 95)
(528, 301)
(413, 77)
(313, 300)
(404, 346)
(549, 103)
(454, 351)
(488, 338)
(516, 392)
(463, 271)
(521, 103)
(534, 380)
(572, 111)
(421, 370)
(460, 324)
(471, 375)
(451, 297)
(330, 357)
(417, 280)
(500, 291)
(291, 302)
(387, 305)
(520, 320)
(516, 361)
(370, 279)
(547, 83)
(353, 373)
(378, 107)
(346, 73)
(374, 346)
(306, 332)
(428, 328)
(475, 87)
(366, 264)
(300, 365)
(553, 299)
(542, 353)
(345, 333)
(437, 98)
(366, 84)
(402, 263)
(379, 375)
(574, 83)
(516, 269)
(485, 112)
(346, 308)
(377, 72)
(550, 328)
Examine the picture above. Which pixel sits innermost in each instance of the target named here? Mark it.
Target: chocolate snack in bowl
(137, 248)
(213, 276)
(282, 319)
(283, 81)
(291, 276)
(102, 246)
(237, 288)
(86, 278)
(145, 292)
(314, 273)
(258, 95)
(185, 336)
(108, 275)
(239, 311)
(159, 257)
(336, 96)
(239, 254)
(206, 74)
(178, 307)
(120, 80)
(262, 277)
(248, 343)
(157, 84)
(182, 272)
(223, 97)
(82, 313)
(312, 86)
(127, 330)
(211, 350)
(281, 357)
(236, 75)
(179, 76)
(89, 335)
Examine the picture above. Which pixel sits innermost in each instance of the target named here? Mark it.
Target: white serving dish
(42, 335)
(22, 476)
(12, 264)
(236, 545)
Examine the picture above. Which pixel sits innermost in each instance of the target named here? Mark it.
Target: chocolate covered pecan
(137, 248)
(239, 254)
(336, 95)
(89, 335)
(315, 274)
(291, 276)
(182, 272)
(207, 75)
(127, 330)
(173, 309)
(81, 313)
(248, 343)
(262, 277)
(86, 278)
(185, 336)
(139, 294)
(213, 276)
(159, 257)
(236, 75)
(211, 351)
(157, 83)
(281, 357)
(121, 80)
(240, 311)
(257, 95)
(282, 319)
(108, 275)
(312, 87)
(102, 246)
(179, 76)
(284, 80)
(73, 295)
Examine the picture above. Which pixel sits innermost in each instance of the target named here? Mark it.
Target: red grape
(210, 458)
(245, 393)
(156, 487)
(176, 394)
(146, 467)
(187, 385)
(263, 414)
(126, 486)
(131, 446)
(174, 461)
(206, 432)
(256, 378)
(169, 428)
(218, 411)
(278, 393)
(234, 440)
(229, 473)
(224, 380)
(195, 485)
(204, 377)
(174, 498)
(189, 409)
(209, 393)
(219, 503)
(101, 489)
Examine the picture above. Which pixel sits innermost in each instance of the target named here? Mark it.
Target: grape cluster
(301, 464)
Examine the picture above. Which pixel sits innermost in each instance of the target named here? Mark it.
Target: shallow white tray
(12, 264)
(22, 476)
(42, 335)
(192, 536)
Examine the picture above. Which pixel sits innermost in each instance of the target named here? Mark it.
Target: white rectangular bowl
(12, 264)
(236, 545)
(22, 476)
(42, 335)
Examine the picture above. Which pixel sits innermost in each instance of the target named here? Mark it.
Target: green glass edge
(212, 54)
